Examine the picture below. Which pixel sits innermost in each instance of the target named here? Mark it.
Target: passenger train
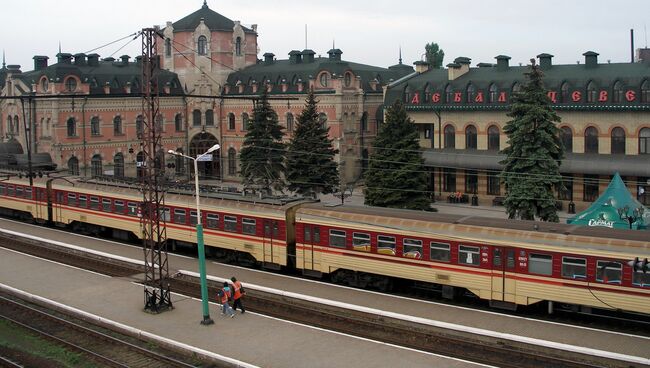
(506, 262)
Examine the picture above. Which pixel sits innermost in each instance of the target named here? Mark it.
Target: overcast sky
(368, 32)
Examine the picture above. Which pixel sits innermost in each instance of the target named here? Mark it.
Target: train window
(193, 218)
(132, 209)
(19, 192)
(2, 189)
(337, 238)
(307, 233)
(248, 226)
(413, 248)
(11, 191)
(386, 244)
(361, 242)
(179, 216)
(106, 205)
(496, 257)
(166, 214)
(72, 199)
(83, 201)
(541, 264)
(468, 255)
(276, 230)
(94, 203)
(574, 268)
(59, 196)
(440, 252)
(28, 193)
(641, 278)
(230, 223)
(609, 272)
(119, 206)
(510, 258)
(213, 220)
(316, 235)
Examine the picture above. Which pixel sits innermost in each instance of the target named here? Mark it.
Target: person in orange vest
(224, 295)
(238, 293)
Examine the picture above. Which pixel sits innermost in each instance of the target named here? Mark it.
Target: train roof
(479, 228)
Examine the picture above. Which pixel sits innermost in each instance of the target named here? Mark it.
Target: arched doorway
(199, 144)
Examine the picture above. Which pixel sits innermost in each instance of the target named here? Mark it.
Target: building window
(244, 121)
(209, 118)
(564, 90)
(449, 94)
(96, 165)
(203, 45)
(72, 127)
(232, 161)
(231, 121)
(196, 117)
(591, 140)
(160, 123)
(449, 180)
(139, 126)
(324, 79)
(70, 84)
(617, 93)
(168, 47)
(644, 141)
(10, 124)
(117, 125)
(565, 193)
(118, 168)
(618, 141)
(493, 183)
(94, 126)
(566, 137)
(427, 93)
(574, 268)
(470, 137)
(590, 187)
(450, 136)
(73, 166)
(471, 181)
(238, 46)
(516, 88)
(289, 122)
(592, 93)
(178, 123)
(45, 85)
(494, 93)
(645, 91)
(322, 118)
(471, 93)
(494, 138)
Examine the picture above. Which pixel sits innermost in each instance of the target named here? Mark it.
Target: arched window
(494, 138)
(232, 161)
(450, 136)
(618, 140)
(449, 94)
(117, 125)
(73, 166)
(617, 92)
(71, 127)
(231, 121)
(16, 128)
(209, 118)
(140, 164)
(238, 46)
(591, 140)
(471, 93)
(516, 88)
(494, 93)
(203, 45)
(244, 121)
(160, 123)
(94, 126)
(118, 168)
(427, 93)
(139, 126)
(564, 90)
(70, 84)
(324, 79)
(645, 91)
(168, 47)
(566, 137)
(322, 118)
(591, 92)
(10, 125)
(96, 165)
(289, 122)
(407, 94)
(196, 117)
(644, 141)
(178, 123)
(470, 137)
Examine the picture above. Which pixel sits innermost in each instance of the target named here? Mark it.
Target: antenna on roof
(333, 43)
(3, 59)
(59, 47)
(400, 54)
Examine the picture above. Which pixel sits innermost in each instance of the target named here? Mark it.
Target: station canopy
(615, 208)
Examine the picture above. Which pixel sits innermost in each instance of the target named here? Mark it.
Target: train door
(55, 202)
(503, 265)
(311, 238)
(271, 232)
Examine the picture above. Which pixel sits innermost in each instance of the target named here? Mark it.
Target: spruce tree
(263, 152)
(531, 169)
(395, 176)
(310, 158)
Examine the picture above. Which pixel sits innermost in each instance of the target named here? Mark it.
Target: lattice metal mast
(157, 295)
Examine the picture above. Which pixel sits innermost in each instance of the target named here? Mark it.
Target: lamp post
(199, 233)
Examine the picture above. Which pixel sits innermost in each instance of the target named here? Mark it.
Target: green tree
(531, 169)
(434, 55)
(263, 153)
(395, 176)
(310, 158)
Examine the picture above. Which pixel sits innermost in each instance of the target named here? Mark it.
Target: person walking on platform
(238, 293)
(224, 295)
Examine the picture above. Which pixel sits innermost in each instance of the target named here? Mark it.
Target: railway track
(96, 346)
(503, 353)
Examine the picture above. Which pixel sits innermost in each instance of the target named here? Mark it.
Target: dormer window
(347, 80)
(591, 92)
(516, 88)
(565, 92)
(203, 45)
(494, 93)
(645, 91)
(617, 95)
(70, 84)
(45, 85)
(324, 79)
(471, 93)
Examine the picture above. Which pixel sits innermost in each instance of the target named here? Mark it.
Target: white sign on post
(205, 158)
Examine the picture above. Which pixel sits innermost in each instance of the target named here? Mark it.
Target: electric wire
(135, 35)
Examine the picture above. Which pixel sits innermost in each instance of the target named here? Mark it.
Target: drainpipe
(83, 134)
(437, 112)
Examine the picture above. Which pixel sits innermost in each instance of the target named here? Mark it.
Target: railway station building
(461, 111)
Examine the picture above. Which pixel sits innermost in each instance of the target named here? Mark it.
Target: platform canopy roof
(615, 208)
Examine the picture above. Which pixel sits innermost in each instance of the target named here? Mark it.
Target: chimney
(335, 54)
(125, 59)
(308, 55)
(545, 61)
(459, 67)
(295, 57)
(80, 59)
(502, 62)
(138, 59)
(591, 59)
(40, 62)
(64, 58)
(485, 65)
(254, 27)
(110, 59)
(268, 58)
(421, 66)
(643, 55)
(93, 59)
(13, 69)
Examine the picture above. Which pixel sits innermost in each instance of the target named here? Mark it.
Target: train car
(509, 263)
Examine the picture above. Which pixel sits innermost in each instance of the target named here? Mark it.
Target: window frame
(361, 242)
(212, 221)
(230, 223)
(337, 238)
(387, 244)
(602, 266)
(180, 216)
(412, 248)
(249, 226)
(571, 266)
(464, 249)
(541, 260)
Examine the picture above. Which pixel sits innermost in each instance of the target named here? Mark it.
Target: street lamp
(199, 233)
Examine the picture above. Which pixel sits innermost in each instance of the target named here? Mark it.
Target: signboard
(206, 158)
